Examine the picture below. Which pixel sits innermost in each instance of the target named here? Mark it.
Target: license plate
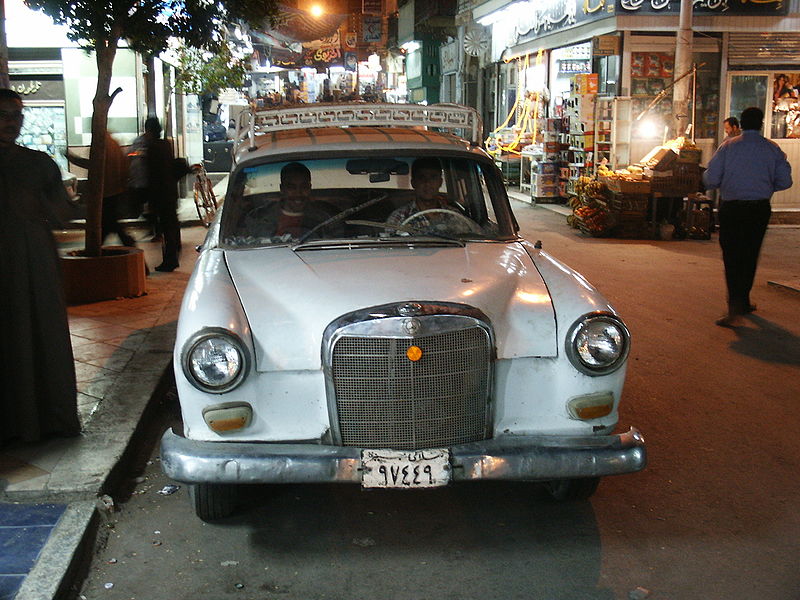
(405, 468)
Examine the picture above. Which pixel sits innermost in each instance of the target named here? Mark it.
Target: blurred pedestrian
(747, 169)
(162, 192)
(137, 184)
(38, 397)
(731, 127)
(115, 188)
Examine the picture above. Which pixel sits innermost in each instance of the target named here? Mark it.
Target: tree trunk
(105, 52)
(4, 79)
(150, 85)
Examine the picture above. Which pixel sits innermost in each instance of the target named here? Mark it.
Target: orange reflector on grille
(414, 353)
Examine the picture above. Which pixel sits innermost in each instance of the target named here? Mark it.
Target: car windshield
(365, 199)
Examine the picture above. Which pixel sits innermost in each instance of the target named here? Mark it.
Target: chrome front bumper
(523, 458)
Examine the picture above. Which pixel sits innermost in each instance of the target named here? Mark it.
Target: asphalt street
(713, 516)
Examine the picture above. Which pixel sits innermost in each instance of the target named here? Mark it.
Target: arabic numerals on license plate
(405, 469)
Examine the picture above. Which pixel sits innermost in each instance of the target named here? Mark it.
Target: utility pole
(4, 79)
(683, 64)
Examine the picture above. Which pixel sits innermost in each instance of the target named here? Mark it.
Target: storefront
(633, 45)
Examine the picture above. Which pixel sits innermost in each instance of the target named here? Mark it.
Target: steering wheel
(446, 214)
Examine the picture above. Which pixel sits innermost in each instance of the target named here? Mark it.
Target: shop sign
(324, 55)
(574, 66)
(605, 45)
(719, 7)
(534, 18)
(448, 55)
(371, 29)
(372, 7)
(36, 89)
(28, 88)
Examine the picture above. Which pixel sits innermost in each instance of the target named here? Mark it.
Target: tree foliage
(147, 26)
(202, 72)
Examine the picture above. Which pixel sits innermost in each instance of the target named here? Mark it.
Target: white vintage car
(362, 336)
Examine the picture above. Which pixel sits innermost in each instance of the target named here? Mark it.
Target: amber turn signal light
(591, 406)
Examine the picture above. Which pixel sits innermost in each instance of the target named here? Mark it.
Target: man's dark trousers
(742, 225)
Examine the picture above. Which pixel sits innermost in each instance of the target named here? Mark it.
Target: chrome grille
(385, 400)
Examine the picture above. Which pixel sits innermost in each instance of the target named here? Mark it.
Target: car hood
(290, 297)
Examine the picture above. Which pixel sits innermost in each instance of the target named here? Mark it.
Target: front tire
(571, 490)
(213, 501)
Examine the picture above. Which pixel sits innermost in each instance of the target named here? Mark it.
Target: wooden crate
(627, 186)
(629, 202)
(685, 179)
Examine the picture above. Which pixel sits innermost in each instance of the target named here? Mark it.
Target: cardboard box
(546, 191)
(660, 158)
(546, 168)
(545, 179)
(690, 155)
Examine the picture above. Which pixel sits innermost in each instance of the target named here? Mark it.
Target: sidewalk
(49, 491)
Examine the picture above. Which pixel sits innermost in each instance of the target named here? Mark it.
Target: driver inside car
(295, 213)
(426, 179)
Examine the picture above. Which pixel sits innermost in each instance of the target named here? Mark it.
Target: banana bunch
(588, 187)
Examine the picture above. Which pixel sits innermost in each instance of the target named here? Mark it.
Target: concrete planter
(119, 273)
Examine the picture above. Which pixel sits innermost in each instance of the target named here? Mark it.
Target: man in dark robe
(38, 395)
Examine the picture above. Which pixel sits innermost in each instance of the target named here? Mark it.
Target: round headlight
(598, 344)
(215, 362)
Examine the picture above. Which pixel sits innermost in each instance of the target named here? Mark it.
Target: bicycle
(204, 199)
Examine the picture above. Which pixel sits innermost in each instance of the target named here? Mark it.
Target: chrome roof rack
(304, 116)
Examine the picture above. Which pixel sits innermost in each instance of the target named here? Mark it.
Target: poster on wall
(371, 29)
(786, 105)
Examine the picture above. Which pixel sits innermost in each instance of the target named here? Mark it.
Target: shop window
(706, 113)
(44, 129)
(653, 72)
(786, 105)
(748, 90)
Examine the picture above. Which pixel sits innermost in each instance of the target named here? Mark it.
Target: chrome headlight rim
(576, 328)
(217, 333)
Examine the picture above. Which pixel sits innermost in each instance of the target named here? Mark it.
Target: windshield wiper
(341, 216)
(409, 229)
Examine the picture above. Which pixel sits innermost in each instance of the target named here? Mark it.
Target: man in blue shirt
(747, 169)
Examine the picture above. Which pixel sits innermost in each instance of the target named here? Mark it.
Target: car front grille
(386, 400)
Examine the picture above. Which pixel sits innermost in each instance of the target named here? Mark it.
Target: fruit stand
(656, 198)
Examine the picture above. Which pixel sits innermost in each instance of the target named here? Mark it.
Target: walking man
(747, 169)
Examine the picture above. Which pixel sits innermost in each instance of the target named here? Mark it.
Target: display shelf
(613, 120)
